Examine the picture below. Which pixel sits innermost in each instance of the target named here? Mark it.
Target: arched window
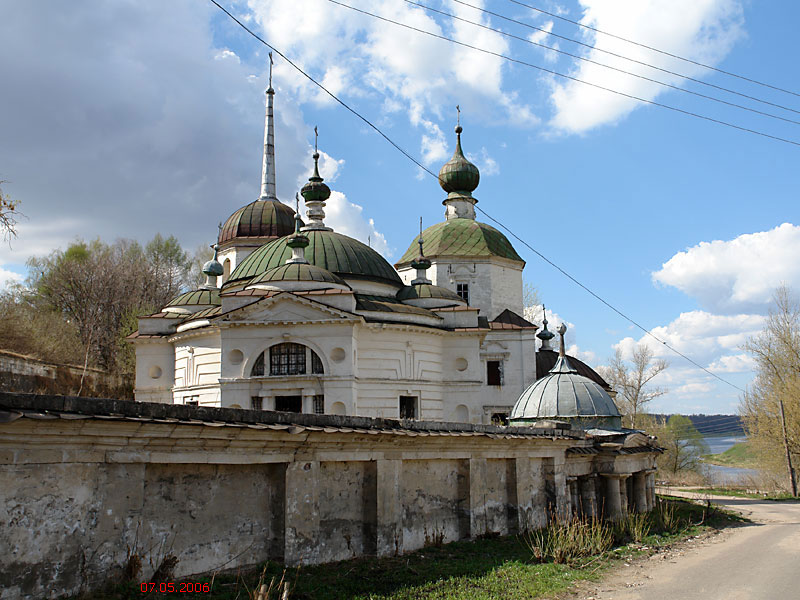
(288, 358)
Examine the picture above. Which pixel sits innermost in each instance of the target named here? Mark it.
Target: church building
(295, 316)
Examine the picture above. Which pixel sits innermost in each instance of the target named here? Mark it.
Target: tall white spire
(268, 169)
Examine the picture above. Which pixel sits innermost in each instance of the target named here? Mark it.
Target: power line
(420, 165)
(594, 62)
(622, 56)
(664, 52)
(565, 76)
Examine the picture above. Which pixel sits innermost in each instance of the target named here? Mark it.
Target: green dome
(262, 218)
(458, 176)
(426, 290)
(462, 238)
(197, 298)
(315, 190)
(329, 250)
(298, 272)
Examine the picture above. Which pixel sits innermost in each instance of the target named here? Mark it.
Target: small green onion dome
(421, 262)
(334, 252)
(262, 218)
(458, 176)
(427, 290)
(213, 268)
(315, 190)
(197, 298)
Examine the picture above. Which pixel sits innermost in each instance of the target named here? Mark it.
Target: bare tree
(9, 210)
(771, 405)
(531, 301)
(631, 380)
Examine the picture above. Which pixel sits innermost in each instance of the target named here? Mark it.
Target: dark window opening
(287, 359)
(494, 372)
(316, 364)
(500, 418)
(462, 289)
(191, 401)
(292, 404)
(408, 407)
(319, 405)
(256, 402)
(258, 366)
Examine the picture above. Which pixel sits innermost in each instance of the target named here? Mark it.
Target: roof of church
(197, 297)
(262, 218)
(387, 304)
(461, 238)
(546, 360)
(510, 320)
(337, 253)
(298, 272)
(427, 290)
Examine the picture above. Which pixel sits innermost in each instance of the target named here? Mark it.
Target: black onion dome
(259, 219)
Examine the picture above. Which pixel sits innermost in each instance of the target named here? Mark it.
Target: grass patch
(485, 569)
(740, 493)
(739, 455)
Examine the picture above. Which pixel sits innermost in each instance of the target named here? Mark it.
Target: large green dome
(329, 250)
(461, 238)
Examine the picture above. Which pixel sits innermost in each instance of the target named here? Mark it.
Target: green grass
(739, 493)
(485, 569)
(739, 455)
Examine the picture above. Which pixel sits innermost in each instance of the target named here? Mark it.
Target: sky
(129, 118)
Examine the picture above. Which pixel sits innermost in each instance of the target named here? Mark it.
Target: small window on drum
(462, 289)
(319, 405)
(316, 363)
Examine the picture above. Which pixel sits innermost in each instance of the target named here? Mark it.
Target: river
(720, 475)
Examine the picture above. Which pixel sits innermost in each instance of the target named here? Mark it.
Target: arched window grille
(288, 358)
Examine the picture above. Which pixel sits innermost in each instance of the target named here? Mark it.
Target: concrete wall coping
(16, 405)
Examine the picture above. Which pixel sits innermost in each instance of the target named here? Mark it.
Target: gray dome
(564, 394)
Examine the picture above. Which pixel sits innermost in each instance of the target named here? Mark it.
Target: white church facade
(297, 317)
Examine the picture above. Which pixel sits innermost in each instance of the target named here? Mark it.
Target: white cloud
(7, 277)
(734, 363)
(348, 218)
(485, 163)
(702, 30)
(539, 36)
(739, 274)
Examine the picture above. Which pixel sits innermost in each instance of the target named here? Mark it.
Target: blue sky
(130, 118)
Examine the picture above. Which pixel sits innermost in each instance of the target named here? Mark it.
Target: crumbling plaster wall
(78, 491)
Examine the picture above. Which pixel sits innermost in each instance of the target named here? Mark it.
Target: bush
(564, 541)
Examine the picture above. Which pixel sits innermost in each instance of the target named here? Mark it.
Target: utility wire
(622, 56)
(421, 166)
(664, 52)
(594, 62)
(570, 77)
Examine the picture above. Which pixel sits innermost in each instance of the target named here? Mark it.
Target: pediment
(286, 308)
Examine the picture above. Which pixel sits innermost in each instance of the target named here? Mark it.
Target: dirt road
(758, 561)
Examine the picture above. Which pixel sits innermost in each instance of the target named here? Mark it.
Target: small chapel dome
(461, 238)
(297, 276)
(563, 394)
(194, 301)
(315, 189)
(458, 176)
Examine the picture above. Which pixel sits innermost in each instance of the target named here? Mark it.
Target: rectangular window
(292, 404)
(500, 418)
(319, 405)
(494, 372)
(408, 407)
(316, 364)
(287, 359)
(462, 289)
(256, 402)
(191, 401)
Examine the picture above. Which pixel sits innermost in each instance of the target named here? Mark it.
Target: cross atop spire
(316, 139)
(270, 70)
(420, 238)
(458, 115)
(421, 264)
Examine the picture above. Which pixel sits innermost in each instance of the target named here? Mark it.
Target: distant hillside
(713, 424)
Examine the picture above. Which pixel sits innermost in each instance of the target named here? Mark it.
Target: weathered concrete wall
(85, 482)
(29, 375)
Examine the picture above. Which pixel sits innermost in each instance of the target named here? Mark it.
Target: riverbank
(485, 569)
(739, 456)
